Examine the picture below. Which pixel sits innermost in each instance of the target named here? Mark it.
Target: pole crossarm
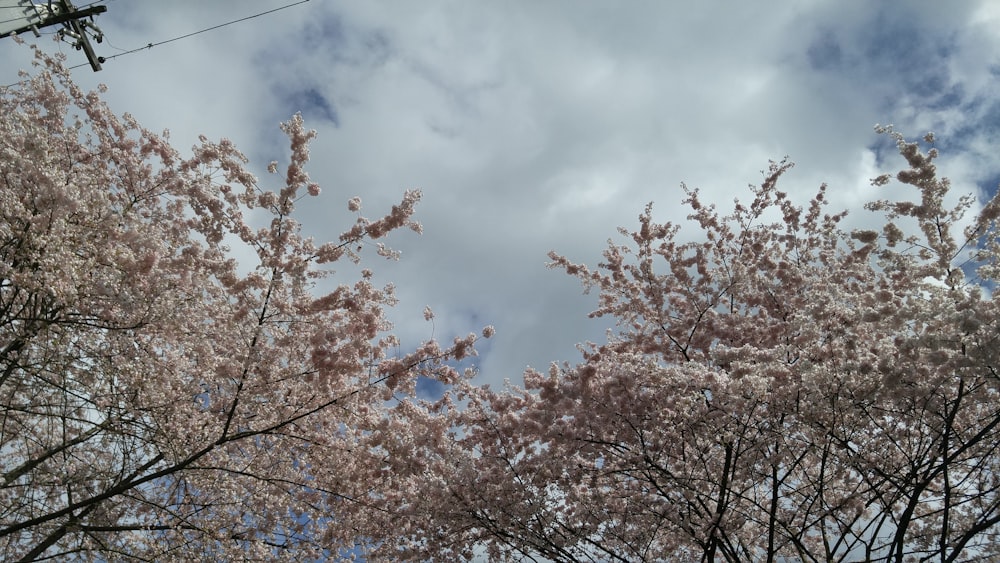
(65, 14)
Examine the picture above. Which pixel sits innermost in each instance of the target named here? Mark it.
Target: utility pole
(29, 16)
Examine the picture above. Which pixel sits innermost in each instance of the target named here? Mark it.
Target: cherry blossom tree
(173, 384)
(779, 388)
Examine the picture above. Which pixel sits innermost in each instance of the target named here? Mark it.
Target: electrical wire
(185, 36)
(19, 18)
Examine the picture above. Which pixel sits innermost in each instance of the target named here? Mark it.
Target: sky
(538, 126)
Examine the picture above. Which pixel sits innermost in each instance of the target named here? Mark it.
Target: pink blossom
(770, 393)
(160, 397)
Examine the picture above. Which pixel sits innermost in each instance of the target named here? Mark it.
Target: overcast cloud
(537, 126)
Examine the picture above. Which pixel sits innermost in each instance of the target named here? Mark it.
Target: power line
(185, 36)
(18, 18)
